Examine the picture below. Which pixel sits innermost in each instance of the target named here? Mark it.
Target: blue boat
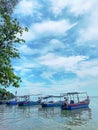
(26, 101)
(75, 101)
(12, 103)
(51, 103)
(2, 102)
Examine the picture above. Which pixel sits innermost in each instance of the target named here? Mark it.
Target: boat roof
(23, 96)
(52, 96)
(73, 93)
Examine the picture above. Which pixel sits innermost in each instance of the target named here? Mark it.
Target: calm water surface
(37, 118)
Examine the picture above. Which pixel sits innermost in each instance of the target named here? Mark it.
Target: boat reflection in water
(49, 112)
(68, 119)
(51, 118)
(78, 117)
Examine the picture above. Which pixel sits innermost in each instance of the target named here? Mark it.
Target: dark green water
(37, 118)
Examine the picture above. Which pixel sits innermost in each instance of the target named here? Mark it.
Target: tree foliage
(9, 38)
(8, 5)
(4, 91)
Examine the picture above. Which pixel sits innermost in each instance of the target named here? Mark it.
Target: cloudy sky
(61, 49)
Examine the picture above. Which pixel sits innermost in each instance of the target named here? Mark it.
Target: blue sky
(61, 49)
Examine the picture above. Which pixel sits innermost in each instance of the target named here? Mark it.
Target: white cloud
(56, 88)
(52, 45)
(28, 36)
(90, 31)
(55, 43)
(88, 69)
(24, 66)
(47, 28)
(47, 75)
(26, 7)
(41, 88)
(77, 7)
(54, 27)
(58, 6)
(24, 49)
(23, 69)
(57, 62)
(90, 72)
(87, 74)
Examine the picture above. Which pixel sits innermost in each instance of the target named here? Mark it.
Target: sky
(61, 50)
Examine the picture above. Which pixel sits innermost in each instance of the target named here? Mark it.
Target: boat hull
(29, 103)
(2, 102)
(56, 104)
(75, 106)
(12, 103)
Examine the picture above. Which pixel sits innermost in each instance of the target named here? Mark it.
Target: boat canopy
(72, 93)
(29, 95)
(51, 96)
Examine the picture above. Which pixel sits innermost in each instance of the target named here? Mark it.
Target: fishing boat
(74, 100)
(26, 101)
(2, 102)
(49, 102)
(12, 103)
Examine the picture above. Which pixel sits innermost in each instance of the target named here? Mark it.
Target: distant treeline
(4, 94)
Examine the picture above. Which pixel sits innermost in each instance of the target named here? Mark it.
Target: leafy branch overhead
(10, 33)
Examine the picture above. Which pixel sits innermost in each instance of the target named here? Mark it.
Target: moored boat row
(67, 101)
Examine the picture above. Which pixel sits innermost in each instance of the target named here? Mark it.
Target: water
(37, 118)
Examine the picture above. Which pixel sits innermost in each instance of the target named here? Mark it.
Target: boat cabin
(75, 100)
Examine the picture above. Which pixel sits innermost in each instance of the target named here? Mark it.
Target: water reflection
(49, 112)
(37, 118)
(28, 111)
(69, 119)
(76, 117)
